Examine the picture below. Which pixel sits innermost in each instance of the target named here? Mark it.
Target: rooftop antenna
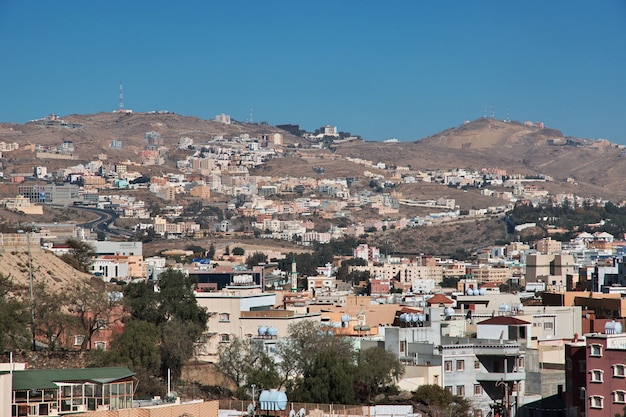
(493, 113)
(250, 114)
(508, 115)
(121, 105)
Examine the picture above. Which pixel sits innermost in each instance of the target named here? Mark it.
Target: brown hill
(99, 130)
(597, 166)
(47, 268)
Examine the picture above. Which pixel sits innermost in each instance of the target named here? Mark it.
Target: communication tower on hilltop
(121, 105)
(250, 120)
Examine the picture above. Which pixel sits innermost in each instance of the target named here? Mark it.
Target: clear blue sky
(399, 69)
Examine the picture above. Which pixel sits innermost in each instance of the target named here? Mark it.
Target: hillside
(99, 130)
(596, 166)
(46, 267)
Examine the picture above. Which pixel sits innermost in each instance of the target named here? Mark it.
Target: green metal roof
(46, 378)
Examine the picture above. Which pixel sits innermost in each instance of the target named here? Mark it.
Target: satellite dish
(301, 413)
(292, 413)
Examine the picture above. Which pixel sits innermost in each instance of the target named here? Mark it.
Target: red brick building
(596, 374)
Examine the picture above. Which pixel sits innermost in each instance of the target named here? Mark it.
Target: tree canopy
(313, 365)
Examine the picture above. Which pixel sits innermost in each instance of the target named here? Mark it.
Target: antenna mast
(121, 106)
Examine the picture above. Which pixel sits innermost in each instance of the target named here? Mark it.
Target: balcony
(500, 376)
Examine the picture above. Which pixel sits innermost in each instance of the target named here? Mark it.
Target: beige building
(487, 273)
(201, 191)
(22, 204)
(547, 245)
(553, 270)
(244, 311)
(403, 271)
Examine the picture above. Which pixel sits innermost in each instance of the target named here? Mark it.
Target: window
(548, 325)
(101, 345)
(478, 389)
(619, 397)
(224, 317)
(595, 350)
(619, 371)
(101, 323)
(448, 366)
(448, 388)
(79, 339)
(596, 401)
(520, 363)
(476, 364)
(460, 390)
(596, 375)
(224, 338)
(460, 365)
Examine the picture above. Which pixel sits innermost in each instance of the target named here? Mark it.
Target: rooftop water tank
(262, 330)
(345, 318)
(403, 317)
(470, 291)
(271, 331)
(613, 327)
(482, 291)
(504, 308)
(272, 400)
(449, 311)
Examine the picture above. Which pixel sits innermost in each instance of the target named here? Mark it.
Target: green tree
(328, 379)
(211, 253)
(246, 362)
(138, 346)
(174, 310)
(198, 251)
(437, 401)
(79, 255)
(14, 317)
(178, 343)
(305, 340)
(376, 370)
(255, 259)
(238, 251)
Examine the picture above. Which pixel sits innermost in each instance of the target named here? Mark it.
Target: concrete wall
(204, 409)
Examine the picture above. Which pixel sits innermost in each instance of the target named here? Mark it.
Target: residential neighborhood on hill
(209, 245)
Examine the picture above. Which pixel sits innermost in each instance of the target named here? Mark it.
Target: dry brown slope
(46, 267)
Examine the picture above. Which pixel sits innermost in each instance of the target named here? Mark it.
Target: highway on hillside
(103, 223)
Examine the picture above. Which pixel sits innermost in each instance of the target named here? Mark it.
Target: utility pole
(32, 298)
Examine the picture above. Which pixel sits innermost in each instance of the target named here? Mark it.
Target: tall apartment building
(596, 373)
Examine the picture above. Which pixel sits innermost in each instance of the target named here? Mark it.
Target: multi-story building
(63, 195)
(244, 311)
(487, 273)
(547, 246)
(596, 373)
